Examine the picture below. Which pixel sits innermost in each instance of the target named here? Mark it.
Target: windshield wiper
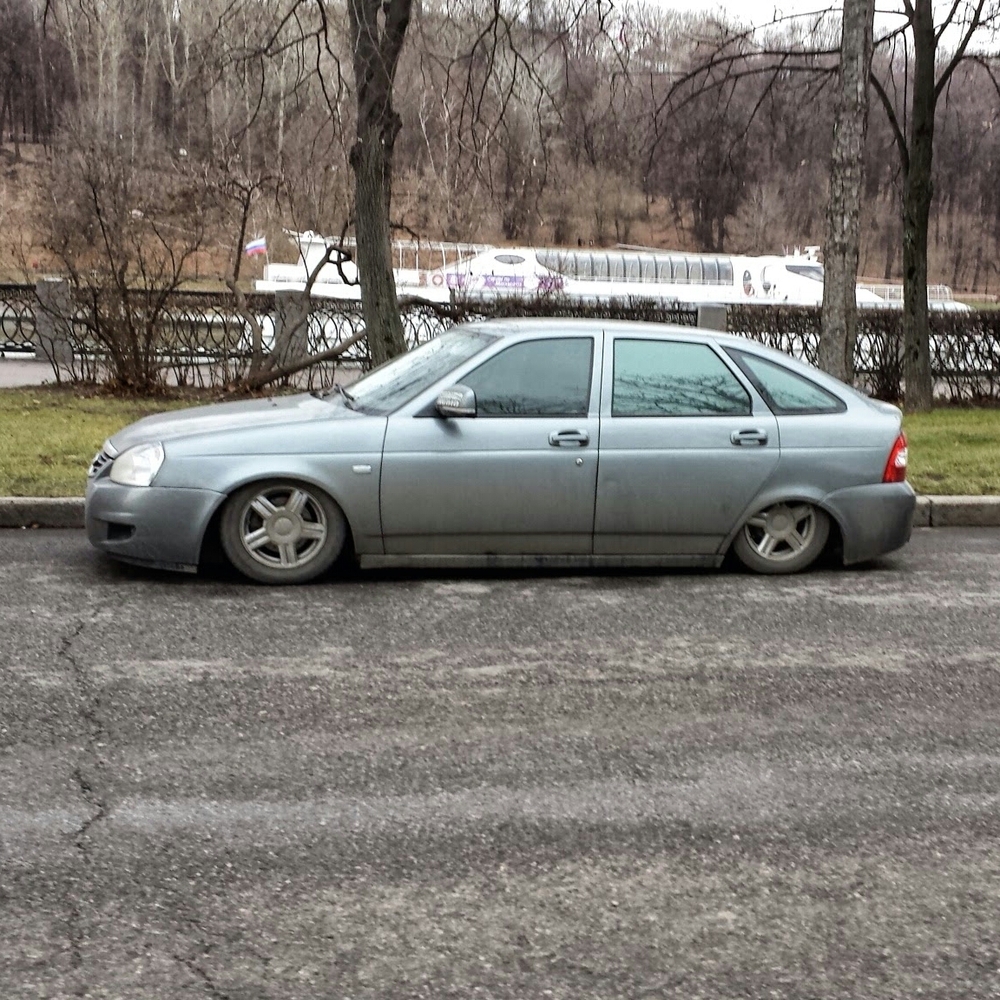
(348, 398)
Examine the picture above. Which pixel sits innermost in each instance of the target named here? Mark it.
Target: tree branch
(973, 26)
(890, 111)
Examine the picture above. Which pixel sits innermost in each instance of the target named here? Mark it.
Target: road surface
(493, 785)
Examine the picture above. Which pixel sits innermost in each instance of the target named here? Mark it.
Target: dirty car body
(520, 442)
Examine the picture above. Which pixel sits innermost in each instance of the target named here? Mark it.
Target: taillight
(895, 468)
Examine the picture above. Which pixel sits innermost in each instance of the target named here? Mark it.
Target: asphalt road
(571, 786)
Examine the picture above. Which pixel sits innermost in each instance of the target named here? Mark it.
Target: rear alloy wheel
(282, 532)
(782, 539)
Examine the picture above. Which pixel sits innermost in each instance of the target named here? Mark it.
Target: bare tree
(241, 190)
(912, 119)
(579, 119)
(124, 230)
(927, 67)
(840, 254)
(378, 30)
(703, 112)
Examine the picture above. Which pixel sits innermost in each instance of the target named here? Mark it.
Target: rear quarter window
(784, 391)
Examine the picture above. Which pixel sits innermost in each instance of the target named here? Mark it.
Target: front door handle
(753, 435)
(569, 439)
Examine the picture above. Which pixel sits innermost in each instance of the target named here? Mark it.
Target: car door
(519, 477)
(686, 445)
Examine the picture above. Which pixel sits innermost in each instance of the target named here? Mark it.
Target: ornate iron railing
(205, 339)
(965, 347)
(17, 318)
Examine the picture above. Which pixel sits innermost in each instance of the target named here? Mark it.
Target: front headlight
(138, 465)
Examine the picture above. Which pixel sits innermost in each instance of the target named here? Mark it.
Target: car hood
(220, 417)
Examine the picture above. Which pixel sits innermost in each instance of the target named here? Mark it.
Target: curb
(930, 512)
(41, 512)
(957, 512)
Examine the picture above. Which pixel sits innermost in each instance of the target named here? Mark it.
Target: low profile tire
(784, 538)
(281, 531)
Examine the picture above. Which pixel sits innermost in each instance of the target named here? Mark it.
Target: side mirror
(458, 401)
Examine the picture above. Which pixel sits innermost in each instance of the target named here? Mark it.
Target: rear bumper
(150, 525)
(874, 519)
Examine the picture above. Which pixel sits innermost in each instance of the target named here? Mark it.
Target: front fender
(351, 480)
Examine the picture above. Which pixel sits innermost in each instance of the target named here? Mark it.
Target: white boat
(441, 272)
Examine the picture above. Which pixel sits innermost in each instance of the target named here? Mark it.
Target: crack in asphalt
(201, 947)
(88, 706)
(207, 981)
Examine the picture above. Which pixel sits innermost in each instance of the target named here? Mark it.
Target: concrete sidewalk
(931, 512)
(20, 370)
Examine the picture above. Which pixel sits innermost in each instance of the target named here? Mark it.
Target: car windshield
(396, 382)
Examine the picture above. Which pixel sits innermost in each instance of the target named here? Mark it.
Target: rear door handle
(754, 435)
(569, 439)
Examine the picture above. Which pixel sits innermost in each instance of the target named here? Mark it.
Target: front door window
(537, 378)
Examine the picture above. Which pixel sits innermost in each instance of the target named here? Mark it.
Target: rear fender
(802, 494)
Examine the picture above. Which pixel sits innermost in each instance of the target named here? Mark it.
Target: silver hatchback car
(527, 442)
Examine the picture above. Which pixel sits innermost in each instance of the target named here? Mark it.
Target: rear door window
(657, 378)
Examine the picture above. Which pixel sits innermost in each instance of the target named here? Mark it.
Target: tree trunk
(840, 255)
(918, 190)
(371, 160)
(244, 219)
(890, 243)
(376, 53)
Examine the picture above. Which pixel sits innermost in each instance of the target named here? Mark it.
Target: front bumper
(150, 525)
(873, 519)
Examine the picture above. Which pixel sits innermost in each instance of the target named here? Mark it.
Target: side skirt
(504, 561)
(152, 563)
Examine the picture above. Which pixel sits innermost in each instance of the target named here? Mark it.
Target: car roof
(567, 326)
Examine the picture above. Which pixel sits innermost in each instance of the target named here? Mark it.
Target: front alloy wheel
(782, 539)
(282, 532)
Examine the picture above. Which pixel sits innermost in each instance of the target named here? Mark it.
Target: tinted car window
(786, 391)
(661, 379)
(537, 378)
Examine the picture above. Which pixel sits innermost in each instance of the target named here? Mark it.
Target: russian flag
(256, 246)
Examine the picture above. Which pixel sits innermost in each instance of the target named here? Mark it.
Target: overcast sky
(761, 12)
(749, 11)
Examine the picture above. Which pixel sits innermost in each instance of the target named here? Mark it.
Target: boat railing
(894, 293)
(428, 255)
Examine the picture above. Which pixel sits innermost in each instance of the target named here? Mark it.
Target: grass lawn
(954, 451)
(48, 437)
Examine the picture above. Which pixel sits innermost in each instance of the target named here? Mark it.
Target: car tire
(281, 531)
(783, 538)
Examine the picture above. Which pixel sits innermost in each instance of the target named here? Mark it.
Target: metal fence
(203, 339)
(17, 318)
(964, 346)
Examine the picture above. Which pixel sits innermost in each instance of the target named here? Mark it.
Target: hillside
(598, 216)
